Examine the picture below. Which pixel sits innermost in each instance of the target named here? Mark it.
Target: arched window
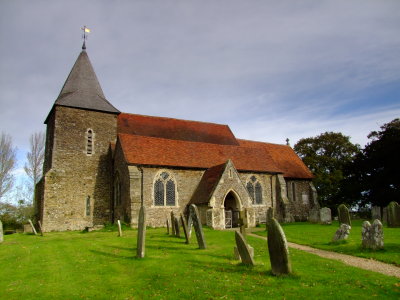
(117, 191)
(255, 190)
(89, 142)
(164, 190)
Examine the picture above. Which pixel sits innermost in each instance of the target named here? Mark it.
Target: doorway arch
(232, 210)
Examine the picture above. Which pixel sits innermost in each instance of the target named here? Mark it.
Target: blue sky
(271, 70)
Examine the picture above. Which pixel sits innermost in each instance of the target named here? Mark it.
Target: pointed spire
(82, 89)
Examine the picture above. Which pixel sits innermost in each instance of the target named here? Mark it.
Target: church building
(101, 165)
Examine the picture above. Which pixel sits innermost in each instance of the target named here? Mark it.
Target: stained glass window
(159, 193)
(258, 192)
(170, 193)
(253, 178)
(164, 175)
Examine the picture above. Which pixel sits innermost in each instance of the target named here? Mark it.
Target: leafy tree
(7, 163)
(375, 173)
(327, 155)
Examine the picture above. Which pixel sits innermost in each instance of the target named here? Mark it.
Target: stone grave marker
(190, 224)
(197, 226)
(376, 213)
(1, 232)
(141, 235)
(185, 229)
(372, 235)
(167, 226)
(177, 227)
(119, 228)
(172, 223)
(325, 216)
(278, 249)
(393, 214)
(33, 227)
(342, 233)
(344, 215)
(314, 215)
(40, 228)
(269, 216)
(243, 249)
(243, 222)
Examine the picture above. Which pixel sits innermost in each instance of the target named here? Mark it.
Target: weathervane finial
(84, 36)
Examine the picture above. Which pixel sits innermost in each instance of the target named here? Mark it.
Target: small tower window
(89, 142)
(88, 206)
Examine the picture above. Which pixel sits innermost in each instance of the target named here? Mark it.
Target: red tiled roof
(284, 157)
(175, 129)
(207, 184)
(143, 150)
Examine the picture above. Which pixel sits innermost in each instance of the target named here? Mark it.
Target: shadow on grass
(130, 257)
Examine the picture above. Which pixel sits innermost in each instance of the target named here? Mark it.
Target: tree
(34, 165)
(377, 168)
(7, 163)
(327, 156)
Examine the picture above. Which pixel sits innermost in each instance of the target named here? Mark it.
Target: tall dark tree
(377, 168)
(327, 155)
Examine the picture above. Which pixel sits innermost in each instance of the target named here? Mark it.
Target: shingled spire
(82, 89)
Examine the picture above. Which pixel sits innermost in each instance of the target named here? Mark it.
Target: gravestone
(177, 229)
(325, 215)
(344, 215)
(141, 235)
(167, 226)
(197, 226)
(190, 224)
(28, 228)
(372, 235)
(278, 249)
(1, 232)
(342, 233)
(393, 214)
(119, 228)
(243, 249)
(314, 215)
(376, 213)
(185, 229)
(40, 228)
(243, 222)
(236, 253)
(269, 216)
(33, 227)
(172, 223)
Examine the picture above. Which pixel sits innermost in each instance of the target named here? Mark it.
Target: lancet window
(255, 190)
(164, 190)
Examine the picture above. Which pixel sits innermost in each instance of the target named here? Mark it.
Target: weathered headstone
(342, 233)
(40, 227)
(1, 232)
(141, 235)
(33, 227)
(376, 213)
(278, 249)
(172, 223)
(243, 222)
(177, 229)
(393, 214)
(314, 215)
(243, 249)
(167, 226)
(190, 224)
(344, 215)
(269, 216)
(236, 253)
(185, 229)
(119, 228)
(197, 226)
(372, 235)
(325, 215)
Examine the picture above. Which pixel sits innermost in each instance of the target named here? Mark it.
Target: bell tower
(76, 188)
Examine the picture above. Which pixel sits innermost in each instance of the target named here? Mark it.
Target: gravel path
(363, 263)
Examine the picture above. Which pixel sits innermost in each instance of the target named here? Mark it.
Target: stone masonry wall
(74, 175)
(300, 198)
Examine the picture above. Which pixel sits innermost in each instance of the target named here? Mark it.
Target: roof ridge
(246, 140)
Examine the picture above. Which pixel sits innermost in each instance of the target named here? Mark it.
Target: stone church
(101, 165)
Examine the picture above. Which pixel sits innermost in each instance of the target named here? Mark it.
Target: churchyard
(102, 265)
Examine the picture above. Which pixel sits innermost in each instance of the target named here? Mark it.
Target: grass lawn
(100, 265)
(320, 236)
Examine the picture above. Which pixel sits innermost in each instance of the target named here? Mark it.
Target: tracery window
(89, 142)
(164, 190)
(255, 190)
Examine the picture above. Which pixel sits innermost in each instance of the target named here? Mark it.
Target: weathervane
(84, 36)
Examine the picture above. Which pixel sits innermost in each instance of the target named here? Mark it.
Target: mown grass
(320, 236)
(100, 265)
